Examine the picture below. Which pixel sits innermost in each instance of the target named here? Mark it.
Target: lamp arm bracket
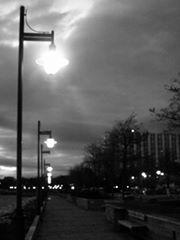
(48, 132)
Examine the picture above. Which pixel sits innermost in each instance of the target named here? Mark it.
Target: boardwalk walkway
(64, 221)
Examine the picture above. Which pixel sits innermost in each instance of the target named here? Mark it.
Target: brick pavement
(65, 221)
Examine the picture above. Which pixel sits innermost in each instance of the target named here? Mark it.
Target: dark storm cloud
(7, 121)
(135, 51)
(78, 132)
(7, 162)
(121, 54)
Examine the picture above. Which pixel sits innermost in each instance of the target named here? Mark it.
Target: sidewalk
(64, 221)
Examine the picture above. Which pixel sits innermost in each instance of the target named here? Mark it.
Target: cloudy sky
(121, 53)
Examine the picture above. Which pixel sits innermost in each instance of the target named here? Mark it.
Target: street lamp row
(50, 142)
(29, 36)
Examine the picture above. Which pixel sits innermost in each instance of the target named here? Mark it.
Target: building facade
(158, 145)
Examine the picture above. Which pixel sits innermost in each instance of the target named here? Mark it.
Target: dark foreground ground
(65, 221)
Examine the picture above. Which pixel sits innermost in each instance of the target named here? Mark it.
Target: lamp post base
(19, 227)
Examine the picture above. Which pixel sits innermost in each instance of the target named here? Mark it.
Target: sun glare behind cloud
(52, 61)
(73, 11)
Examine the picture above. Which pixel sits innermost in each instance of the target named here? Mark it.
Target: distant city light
(72, 187)
(144, 175)
(159, 173)
(12, 187)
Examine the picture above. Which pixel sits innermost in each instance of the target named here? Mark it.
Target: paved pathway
(65, 221)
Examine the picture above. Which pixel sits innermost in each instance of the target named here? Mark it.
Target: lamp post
(47, 170)
(42, 162)
(23, 36)
(49, 173)
(41, 196)
(39, 164)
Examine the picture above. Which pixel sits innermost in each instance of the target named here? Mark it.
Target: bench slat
(137, 215)
(130, 224)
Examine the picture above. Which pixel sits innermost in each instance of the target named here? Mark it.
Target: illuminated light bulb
(49, 180)
(50, 142)
(49, 169)
(52, 61)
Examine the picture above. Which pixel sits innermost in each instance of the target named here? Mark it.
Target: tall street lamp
(23, 36)
(41, 196)
(40, 163)
(49, 173)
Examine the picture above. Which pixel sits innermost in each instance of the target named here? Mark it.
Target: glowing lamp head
(49, 169)
(50, 142)
(49, 180)
(52, 61)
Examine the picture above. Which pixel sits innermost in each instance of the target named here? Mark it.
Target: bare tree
(171, 113)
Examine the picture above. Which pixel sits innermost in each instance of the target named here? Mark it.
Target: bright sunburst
(52, 61)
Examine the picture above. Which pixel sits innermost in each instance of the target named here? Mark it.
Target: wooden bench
(137, 215)
(113, 213)
(135, 222)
